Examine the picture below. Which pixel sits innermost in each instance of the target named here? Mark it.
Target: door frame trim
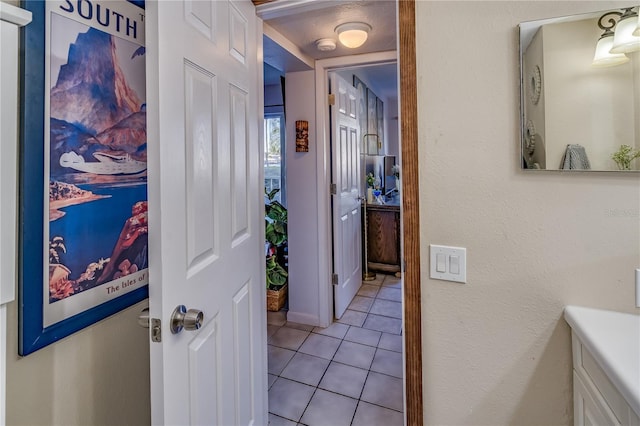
(323, 168)
(408, 116)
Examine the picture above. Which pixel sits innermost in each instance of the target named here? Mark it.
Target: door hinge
(334, 279)
(332, 99)
(156, 330)
(333, 189)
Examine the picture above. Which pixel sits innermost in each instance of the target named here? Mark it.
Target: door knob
(189, 320)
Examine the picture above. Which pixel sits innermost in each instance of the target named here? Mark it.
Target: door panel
(243, 349)
(203, 367)
(239, 141)
(346, 202)
(205, 212)
(200, 15)
(199, 116)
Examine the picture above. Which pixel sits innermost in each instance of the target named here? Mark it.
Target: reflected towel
(575, 158)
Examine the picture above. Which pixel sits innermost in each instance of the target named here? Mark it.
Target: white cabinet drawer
(588, 408)
(595, 380)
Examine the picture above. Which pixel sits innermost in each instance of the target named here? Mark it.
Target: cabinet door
(588, 409)
(383, 235)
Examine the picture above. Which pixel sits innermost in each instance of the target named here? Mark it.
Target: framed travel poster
(83, 167)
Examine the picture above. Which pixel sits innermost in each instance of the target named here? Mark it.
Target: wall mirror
(580, 92)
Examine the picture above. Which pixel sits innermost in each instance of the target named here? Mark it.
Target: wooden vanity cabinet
(383, 234)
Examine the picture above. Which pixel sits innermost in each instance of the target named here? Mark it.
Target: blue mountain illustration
(92, 92)
(93, 109)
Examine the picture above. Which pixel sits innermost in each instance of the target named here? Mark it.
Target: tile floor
(349, 373)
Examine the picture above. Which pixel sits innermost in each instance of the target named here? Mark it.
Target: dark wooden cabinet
(383, 235)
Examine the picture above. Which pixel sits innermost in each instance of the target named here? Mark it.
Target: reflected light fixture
(353, 34)
(603, 56)
(624, 41)
(637, 31)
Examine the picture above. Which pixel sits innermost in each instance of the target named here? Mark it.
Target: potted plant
(276, 251)
(624, 156)
(370, 181)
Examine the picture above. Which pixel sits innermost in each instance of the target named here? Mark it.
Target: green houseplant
(276, 251)
(624, 156)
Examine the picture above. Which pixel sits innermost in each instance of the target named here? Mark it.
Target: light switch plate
(437, 251)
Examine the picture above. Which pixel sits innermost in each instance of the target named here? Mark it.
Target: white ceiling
(303, 22)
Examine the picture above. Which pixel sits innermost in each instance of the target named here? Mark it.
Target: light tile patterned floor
(349, 373)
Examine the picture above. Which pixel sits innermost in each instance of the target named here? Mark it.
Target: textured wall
(496, 350)
(304, 297)
(98, 376)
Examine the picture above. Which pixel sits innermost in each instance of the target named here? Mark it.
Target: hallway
(349, 373)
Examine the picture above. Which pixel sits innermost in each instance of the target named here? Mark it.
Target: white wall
(97, 376)
(496, 350)
(304, 298)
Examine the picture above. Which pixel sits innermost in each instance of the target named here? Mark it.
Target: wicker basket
(276, 298)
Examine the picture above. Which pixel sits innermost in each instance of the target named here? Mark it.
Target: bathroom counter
(613, 339)
(389, 203)
(388, 206)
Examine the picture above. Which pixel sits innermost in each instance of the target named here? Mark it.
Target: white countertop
(613, 338)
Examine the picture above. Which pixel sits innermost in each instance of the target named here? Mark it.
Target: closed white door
(206, 227)
(345, 148)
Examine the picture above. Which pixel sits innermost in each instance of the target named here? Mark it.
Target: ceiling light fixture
(325, 45)
(353, 34)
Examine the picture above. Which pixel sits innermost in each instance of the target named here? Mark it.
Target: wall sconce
(302, 136)
(603, 56)
(353, 34)
(624, 40)
(619, 37)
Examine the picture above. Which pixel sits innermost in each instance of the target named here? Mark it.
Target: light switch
(441, 262)
(448, 263)
(454, 264)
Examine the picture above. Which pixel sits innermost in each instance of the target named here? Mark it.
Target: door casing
(323, 166)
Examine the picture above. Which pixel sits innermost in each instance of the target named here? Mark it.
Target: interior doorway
(324, 348)
(405, 29)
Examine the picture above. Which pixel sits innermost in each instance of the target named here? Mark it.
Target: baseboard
(302, 318)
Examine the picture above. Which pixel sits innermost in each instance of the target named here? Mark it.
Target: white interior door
(345, 148)
(206, 212)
